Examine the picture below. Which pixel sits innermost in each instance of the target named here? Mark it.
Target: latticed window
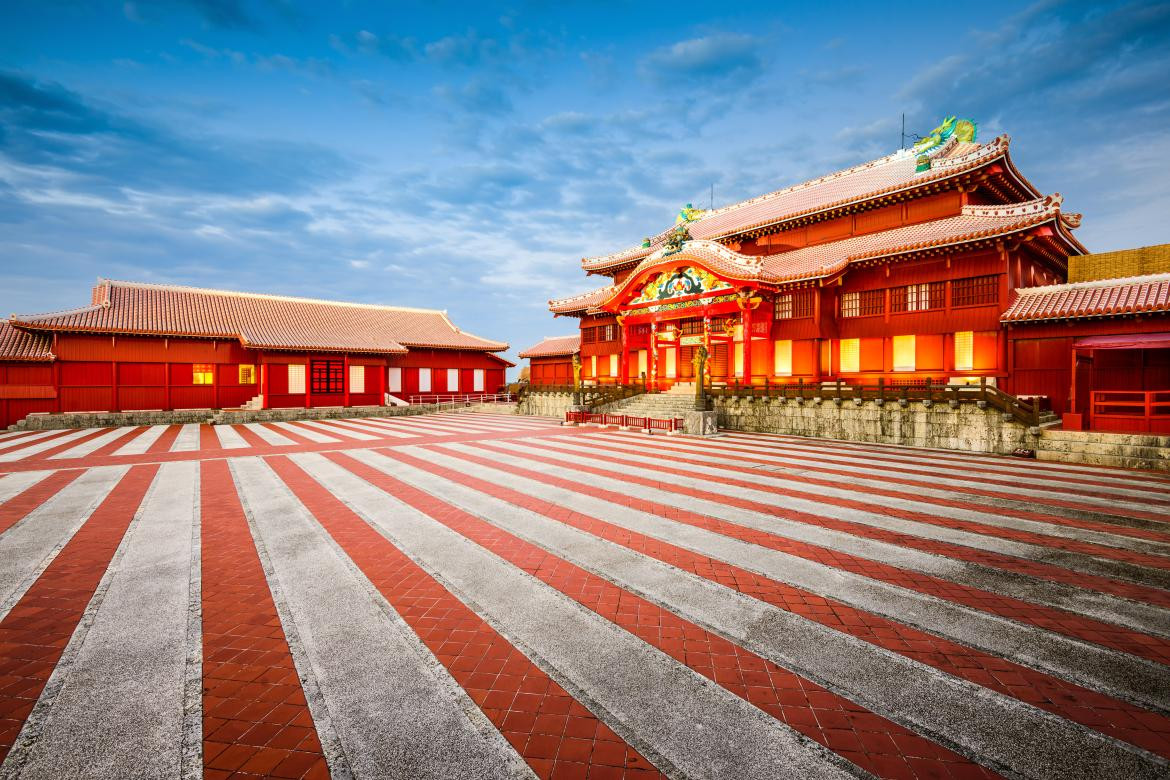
(691, 327)
(202, 374)
(247, 374)
(918, 297)
(588, 335)
(794, 305)
(327, 376)
(610, 333)
(975, 290)
(964, 350)
(863, 304)
(784, 307)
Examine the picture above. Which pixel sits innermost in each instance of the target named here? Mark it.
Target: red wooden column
(625, 372)
(308, 381)
(654, 354)
(747, 344)
(215, 385)
(345, 380)
(264, 382)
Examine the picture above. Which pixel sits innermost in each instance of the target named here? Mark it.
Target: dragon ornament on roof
(963, 130)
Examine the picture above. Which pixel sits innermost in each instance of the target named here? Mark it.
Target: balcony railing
(1130, 411)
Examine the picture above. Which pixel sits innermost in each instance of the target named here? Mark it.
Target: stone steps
(1122, 450)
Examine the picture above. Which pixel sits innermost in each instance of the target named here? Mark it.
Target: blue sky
(466, 156)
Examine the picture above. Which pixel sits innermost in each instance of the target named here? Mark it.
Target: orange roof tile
(581, 302)
(258, 321)
(1104, 298)
(893, 173)
(19, 345)
(554, 346)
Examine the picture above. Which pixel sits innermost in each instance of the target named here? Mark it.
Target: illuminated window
(613, 365)
(739, 359)
(964, 350)
(643, 362)
(593, 366)
(904, 353)
(863, 304)
(357, 379)
(202, 374)
(452, 380)
(296, 379)
(850, 356)
(918, 297)
(783, 358)
(783, 307)
(247, 374)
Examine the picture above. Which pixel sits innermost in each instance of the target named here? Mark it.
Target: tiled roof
(259, 321)
(1105, 298)
(554, 346)
(975, 223)
(19, 345)
(580, 302)
(883, 176)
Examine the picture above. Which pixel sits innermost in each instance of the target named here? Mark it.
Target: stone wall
(47, 422)
(1120, 450)
(545, 404)
(966, 426)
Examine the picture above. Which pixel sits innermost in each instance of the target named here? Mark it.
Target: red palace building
(161, 347)
(940, 263)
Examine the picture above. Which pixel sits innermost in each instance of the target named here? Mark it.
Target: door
(671, 362)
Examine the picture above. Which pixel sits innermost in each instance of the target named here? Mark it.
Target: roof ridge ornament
(963, 130)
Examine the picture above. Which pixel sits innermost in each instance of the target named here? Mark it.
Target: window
(850, 356)
(918, 297)
(327, 376)
(247, 374)
(613, 365)
(739, 359)
(783, 359)
(975, 290)
(589, 335)
(904, 347)
(477, 380)
(863, 304)
(794, 305)
(691, 327)
(357, 379)
(671, 363)
(593, 366)
(424, 380)
(610, 333)
(395, 377)
(643, 362)
(452, 380)
(202, 374)
(296, 379)
(964, 351)
(784, 307)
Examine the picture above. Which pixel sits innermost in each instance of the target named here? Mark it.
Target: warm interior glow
(613, 365)
(739, 359)
(850, 356)
(296, 379)
(247, 374)
(783, 358)
(357, 379)
(964, 350)
(904, 353)
(202, 374)
(643, 363)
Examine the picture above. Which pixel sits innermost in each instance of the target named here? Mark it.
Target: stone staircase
(1124, 450)
(662, 406)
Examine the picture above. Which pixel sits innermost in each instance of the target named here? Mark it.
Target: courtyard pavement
(479, 596)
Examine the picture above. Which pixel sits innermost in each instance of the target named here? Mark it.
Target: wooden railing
(626, 420)
(1136, 411)
(461, 399)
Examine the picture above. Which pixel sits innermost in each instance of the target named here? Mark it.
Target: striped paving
(475, 595)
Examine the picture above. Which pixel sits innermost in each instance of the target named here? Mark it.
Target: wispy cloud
(710, 59)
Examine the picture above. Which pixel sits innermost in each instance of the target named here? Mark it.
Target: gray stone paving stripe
(188, 439)
(119, 711)
(1012, 467)
(377, 431)
(395, 709)
(338, 430)
(1074, 561)
(1099, 606)
(854, 490)
(421, 425)
(12, 485)
(229, 437)
(371, 425)
(984, 725)
(1114, 673)
(673, 714)
(268, 435)
(449, 422)
(40, 446)
(94, 444)
(1056, 489)
(308, 433)
(780, 478)
(10, 438)
(31, 545)
(141, 443)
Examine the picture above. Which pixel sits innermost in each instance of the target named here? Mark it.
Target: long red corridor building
(148, 346)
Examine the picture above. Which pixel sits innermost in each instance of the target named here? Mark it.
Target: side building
(162, 347)
(551, 361)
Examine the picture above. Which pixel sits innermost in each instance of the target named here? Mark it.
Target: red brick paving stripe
(269, 449)
(974, 490)
(253, 439)
(256, 721)
(1049, 618)
(870, 741)
(1095, 710)
(11, 446)
(35, 632)
(917, 515)
(208, 441)
(551, 730)
(162, 445)
(16, 508)
(1040, 570)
